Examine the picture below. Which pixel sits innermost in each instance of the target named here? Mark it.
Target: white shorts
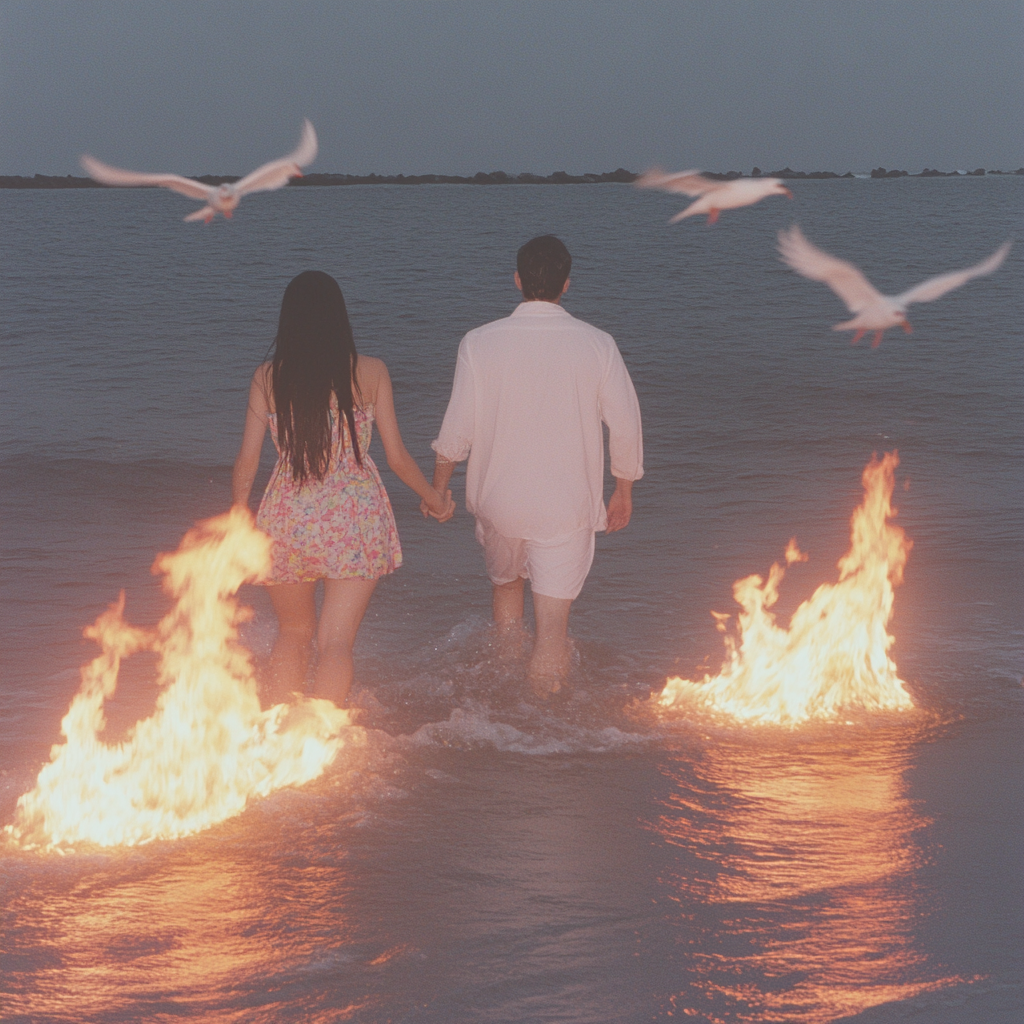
(555, 568)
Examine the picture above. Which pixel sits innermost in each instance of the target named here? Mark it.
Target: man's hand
(445, 513)
(443, 469)
(620, 505)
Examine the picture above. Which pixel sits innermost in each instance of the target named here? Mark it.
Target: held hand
(620, 508)
(442, 510)
(449, 508)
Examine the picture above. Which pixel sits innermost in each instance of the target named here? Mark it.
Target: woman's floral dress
(341, 527)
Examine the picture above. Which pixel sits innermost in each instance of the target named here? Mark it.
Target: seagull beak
(907, 328)
(788, 194)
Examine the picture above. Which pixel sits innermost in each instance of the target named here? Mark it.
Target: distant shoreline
(620, 176)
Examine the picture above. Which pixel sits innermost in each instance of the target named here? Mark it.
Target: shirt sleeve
(620, 410)
(456, 436)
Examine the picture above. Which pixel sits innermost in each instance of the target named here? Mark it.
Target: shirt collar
(534, 307)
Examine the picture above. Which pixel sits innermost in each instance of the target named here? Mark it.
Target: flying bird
(715, 196)
(873, 310)
(218, 198)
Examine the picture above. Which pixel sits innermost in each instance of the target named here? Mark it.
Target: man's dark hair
(543, 264)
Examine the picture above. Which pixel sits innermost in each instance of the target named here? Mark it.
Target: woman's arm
(400, 461)
(248, 460)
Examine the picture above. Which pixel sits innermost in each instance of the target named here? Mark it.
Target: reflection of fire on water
(835, 654)
(795, 868)
(798, 849)
(207, 748)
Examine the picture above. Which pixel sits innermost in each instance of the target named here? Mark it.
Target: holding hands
(442, 474)
(441, 508)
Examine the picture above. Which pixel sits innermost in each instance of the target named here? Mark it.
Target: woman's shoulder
(263, 380)
(370, 371)
(370, 365)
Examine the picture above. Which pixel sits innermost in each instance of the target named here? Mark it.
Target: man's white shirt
(530, 394)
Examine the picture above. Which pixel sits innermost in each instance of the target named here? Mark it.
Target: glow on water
(799, 853)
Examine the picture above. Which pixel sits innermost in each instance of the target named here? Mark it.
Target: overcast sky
(455, 87)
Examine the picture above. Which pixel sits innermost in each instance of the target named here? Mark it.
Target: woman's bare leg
(295, 605)
(345, 604)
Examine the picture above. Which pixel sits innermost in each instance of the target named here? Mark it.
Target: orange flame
(835, 653)
(207, 749)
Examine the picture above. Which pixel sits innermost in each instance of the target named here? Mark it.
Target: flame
(835, 653)
(208, 748)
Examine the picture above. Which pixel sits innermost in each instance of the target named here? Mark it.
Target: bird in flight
(218, 198)
(872, 310)
(715, 196)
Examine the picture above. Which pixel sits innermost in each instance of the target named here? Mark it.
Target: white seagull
(218, 198)
(715, 196)
(873, 310)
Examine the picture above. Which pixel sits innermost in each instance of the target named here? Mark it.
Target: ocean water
(484, 855)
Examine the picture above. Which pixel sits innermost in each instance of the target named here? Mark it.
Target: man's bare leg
(549, 665)
(508, 603)
(510, 637)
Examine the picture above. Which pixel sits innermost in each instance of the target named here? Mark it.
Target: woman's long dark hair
(314, 357)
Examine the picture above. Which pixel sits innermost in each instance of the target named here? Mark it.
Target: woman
(325, 506)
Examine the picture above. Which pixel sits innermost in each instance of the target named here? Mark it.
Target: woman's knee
(345, 603)
(295, 608)
(296, 632)
(334, 652)
(336, 637)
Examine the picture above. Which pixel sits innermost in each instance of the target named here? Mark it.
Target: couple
(530, 395)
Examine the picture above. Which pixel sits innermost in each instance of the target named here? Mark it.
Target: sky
(219, 86)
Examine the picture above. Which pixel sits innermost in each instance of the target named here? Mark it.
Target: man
(530, 394)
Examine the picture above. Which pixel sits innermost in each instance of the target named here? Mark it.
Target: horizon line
(618, 176)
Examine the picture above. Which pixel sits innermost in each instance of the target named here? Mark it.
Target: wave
(471, 727)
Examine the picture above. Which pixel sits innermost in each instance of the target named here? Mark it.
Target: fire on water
(208, 748)
(835, 654)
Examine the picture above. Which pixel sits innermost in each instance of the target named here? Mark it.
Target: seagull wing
(107, 175)
(935, 287)
(206, 213)
(843, 278)
(691, 183)
(277, 172)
